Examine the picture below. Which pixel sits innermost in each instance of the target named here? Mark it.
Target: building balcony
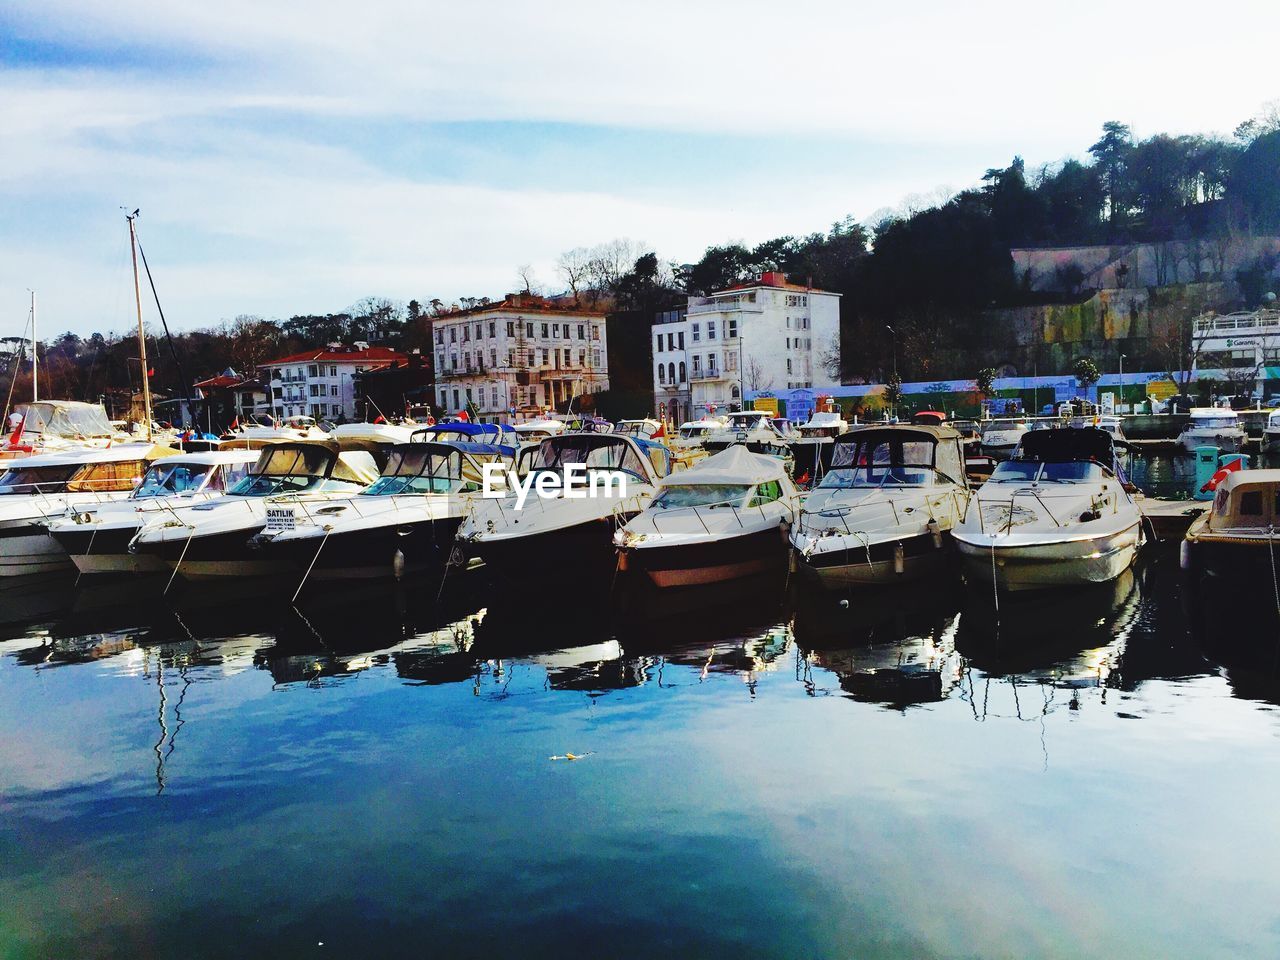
(702, 376)
(1268, 320)
(698, 305)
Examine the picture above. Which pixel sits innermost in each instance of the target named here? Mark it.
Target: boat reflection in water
(883, 649)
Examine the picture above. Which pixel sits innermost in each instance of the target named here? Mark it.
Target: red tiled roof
(526, 303)
(777, 281)
(372, 355)
(218, 382)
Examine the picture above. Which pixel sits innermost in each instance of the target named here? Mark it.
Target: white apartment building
(320, 383)
(1243, 346)
(519, 358)
(763, 335)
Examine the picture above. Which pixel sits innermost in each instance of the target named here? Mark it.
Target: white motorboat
(999, 438)
(686, 445)
(884, 509)
(1058, 514)
(404, 522)
(823, 427)
(373, 432)
(1213, 427)
(580, 488)
(97, 537)
(36, 488)
(50, 426)
(535, 431)
(291, 428)
(746, 425)
(644, 428)
(212, 539)
(722, 519)
(1271, 432)
(1237, 541)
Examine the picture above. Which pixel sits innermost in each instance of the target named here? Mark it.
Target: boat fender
(899, 558)
(622, 560)
(935, 531)
(793, 561)
(397, 564)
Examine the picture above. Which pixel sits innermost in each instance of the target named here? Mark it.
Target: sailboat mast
(35, 353)
(142, 334)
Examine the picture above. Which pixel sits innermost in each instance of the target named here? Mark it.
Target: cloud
(291, 156)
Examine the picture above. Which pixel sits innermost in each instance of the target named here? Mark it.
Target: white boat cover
(733, 465)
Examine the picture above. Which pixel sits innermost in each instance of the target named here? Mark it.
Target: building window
(544, 331)
(555, 330)
(682, 376)
(680, 339)
(333, 390)
(731, 328)
(595, 358)
(671, 341)
(466, 334)
(582, 357)
(494, 394)
(479, 330)
(444, 398)
(711, 329)
(493, 329)
(711, 364)
(788, 364)
(658, 348)
(697, 332)
(313, 371)
(457, 399)
(568, 357)
(333, 370)
(511, 328)
(671, 372)
(546, 356)
(440, 336)
(662, 374)
(531, 359)
(697, 364)
(595, 332)
(511, 358)
(582, 332)
(453, 334)
(528, 329)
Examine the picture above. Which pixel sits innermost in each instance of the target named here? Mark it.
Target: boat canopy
(318, 458)
(734, 465)
(902, 453)
(464, 430)
(1246, 498)
(1067, 443)
(607, 451)
(65, 418)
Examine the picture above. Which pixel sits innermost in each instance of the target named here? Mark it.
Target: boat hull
(1049, 565)
(105, 551)
(370, 553)
(26, 548)
(716, 561)
(876, 563)
(216, 556)
(582, 549)
(1229, 442)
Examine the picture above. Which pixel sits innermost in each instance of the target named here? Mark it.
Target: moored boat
(405, 522)
(97, 537)
(37, 488)
(723, 519)
(883, 511)
(999, 438)
(578, 489)
(1213, 427)
(1237, 540)
(1057, 514)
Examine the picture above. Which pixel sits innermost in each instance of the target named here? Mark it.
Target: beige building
(518, 358)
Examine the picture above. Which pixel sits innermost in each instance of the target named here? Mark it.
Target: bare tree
(252, 341)
(574, 266)
(754, 376)
(525, 273)
(1175, 343)
(610, 261)
(829, 357)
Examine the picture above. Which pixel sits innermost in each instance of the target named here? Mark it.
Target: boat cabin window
(558, 453)
(287, 470)
(418, 472)
(701, 495)
(1027, 471)
(872, 461)
(1214, 423)
(165, 479)
(767, 492)
(116, 477)
(35, 479)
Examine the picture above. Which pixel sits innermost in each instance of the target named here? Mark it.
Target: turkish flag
(1222, 474)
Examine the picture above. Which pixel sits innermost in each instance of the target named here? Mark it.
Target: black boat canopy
(1062, 444)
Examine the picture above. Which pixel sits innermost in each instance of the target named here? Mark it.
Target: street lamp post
(1121, 403)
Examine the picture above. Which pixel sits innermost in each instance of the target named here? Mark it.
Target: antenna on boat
(142, 336)
(35, 353)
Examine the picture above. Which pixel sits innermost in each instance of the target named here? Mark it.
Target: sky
(296, 157)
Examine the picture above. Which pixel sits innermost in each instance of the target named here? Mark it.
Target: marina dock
(1169, 519)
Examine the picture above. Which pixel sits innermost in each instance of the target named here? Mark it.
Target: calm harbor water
(372, 774)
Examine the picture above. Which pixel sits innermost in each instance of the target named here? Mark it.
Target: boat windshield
(1213, 423)
(556, 454)
(998, 426)
(689, 432)
(166, 479)
(701, 495)
(1028, 471)
(873, 462)
(287, 470)
(419, 472)
(18, 480)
